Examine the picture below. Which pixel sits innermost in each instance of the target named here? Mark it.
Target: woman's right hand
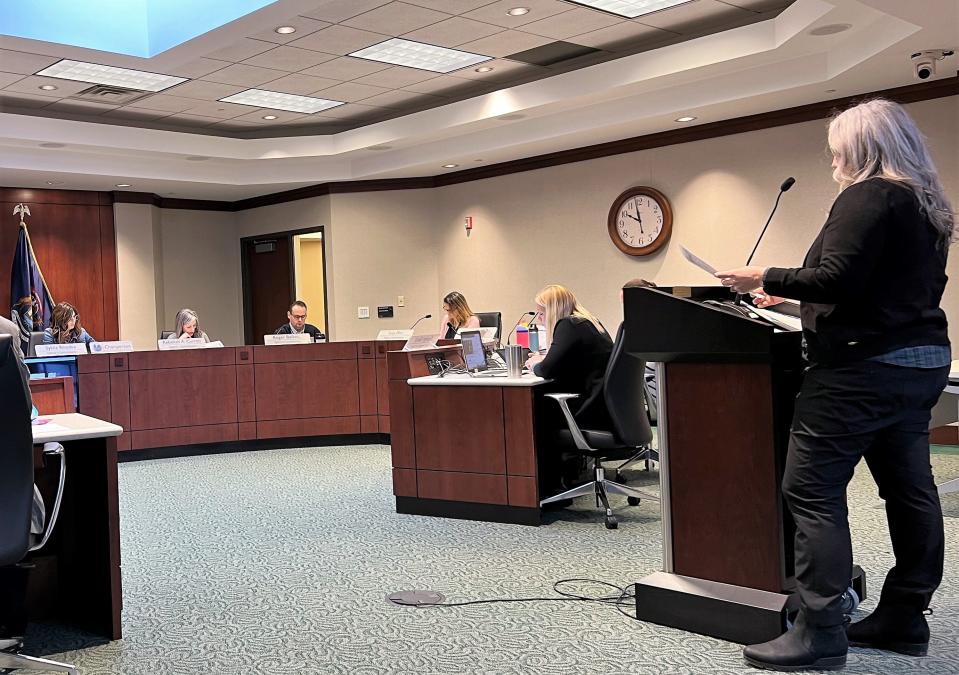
(763, 300)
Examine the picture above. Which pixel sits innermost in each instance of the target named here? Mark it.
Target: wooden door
(267, 285)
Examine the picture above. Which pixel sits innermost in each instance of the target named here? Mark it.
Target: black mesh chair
(624, 391)
(491, 320)
(16, 505)
(647, 455)
(166, 334)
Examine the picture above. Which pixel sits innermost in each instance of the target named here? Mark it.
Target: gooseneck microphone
(425, 316)
(788, 183)
(516, 325)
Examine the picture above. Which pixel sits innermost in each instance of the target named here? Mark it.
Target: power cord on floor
(624, 597)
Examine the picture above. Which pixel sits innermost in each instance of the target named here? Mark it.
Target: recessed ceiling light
(450, 166)
(49, 182)
(124, 185)
(79, 71)
(630, 8)
(400, 52)
(284, 30)
(830, 29)
(686, 118)
(269, 117)
(262, 98)
(48, 87)
(53, 145)
(484, 69)
(518, 11)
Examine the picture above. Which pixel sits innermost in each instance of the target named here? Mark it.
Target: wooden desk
(464, 447)
(85, 591)
(53, 395)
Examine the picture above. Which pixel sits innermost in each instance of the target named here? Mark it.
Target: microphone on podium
(786, 185)
(516, 325)
(425, 316)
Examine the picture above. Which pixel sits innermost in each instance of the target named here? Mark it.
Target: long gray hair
(878, 138)
(183, 317)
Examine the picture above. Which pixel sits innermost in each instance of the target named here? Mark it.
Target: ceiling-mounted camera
(925, 61)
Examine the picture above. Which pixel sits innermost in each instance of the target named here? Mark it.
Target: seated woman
(65, 327)
(579, 349)
(457, 316)
(188, 326)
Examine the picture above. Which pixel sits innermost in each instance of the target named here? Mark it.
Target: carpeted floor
(278, 562)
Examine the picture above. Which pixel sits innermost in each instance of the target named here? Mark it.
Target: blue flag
(30, 298)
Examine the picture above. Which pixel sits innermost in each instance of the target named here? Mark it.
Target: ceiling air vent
(106, 93)
(554, 53)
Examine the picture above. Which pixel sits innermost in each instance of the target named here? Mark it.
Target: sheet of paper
(782, 320)
(696, 260)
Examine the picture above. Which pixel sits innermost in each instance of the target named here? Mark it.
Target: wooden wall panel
(474, 443)
(404, 482)
(520, 431)
(53, 395)
(326, 426)
(187, 358)
(461, 487)
(306, 389)
(160, 438)
(95, 395)
(522, 491)
(245, 394)
(400, 425)
(74, 241)
(183, 397)
(368, 388)
(326, 351)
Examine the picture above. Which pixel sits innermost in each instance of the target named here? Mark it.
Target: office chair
(491, 319)
(36, 338)
(625, 397)
(649, 455)
(16, 498)
(166, 334)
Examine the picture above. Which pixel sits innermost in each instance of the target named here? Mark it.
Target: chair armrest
(574, 430)
(51, 449)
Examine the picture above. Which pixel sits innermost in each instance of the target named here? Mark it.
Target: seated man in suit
(297, 323)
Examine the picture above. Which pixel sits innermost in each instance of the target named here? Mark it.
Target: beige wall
(138, 273)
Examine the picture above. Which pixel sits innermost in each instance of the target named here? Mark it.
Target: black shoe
(896, 629)
(804, 647)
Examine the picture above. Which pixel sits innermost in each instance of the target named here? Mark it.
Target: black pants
(880, 412)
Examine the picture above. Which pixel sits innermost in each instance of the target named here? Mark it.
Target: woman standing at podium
(878, 351)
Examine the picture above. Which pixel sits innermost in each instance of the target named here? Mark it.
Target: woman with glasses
(65, 327)
(457, 316)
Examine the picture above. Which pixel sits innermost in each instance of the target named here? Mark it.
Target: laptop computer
(474, 354)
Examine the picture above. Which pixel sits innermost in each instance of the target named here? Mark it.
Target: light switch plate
(362, 312)
(401, 301)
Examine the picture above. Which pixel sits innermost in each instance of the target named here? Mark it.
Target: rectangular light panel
(630, 8)
(94, 73)
(419, 55)
(261, 98)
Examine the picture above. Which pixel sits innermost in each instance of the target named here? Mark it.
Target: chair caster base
(633, 501)
(611, 523)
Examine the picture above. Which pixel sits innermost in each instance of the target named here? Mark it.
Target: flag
(30, 298)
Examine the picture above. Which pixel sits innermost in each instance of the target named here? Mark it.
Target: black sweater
(576, 360)
(873, 278)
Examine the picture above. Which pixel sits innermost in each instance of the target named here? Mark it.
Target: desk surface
(72, 427)
(462, 380)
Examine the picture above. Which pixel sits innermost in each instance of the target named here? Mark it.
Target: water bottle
(533, 338)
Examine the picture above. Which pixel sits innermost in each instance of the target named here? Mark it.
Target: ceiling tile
(446, 85)
(346, 68)
(352, 111)
(505, 43)
(24, 63)
(220, 110)
(453, 32)
(495, 13)
(350, 91)
(237, 125)
(451, 6)
(205, 91)
(256, 116)
(623, 36)
(396, 77)
(7, 79)
(341, 10)
(404, 99)
(300, 84)
(242, 49)
(574, 22)
(759, 5)
(697, 17)
(136, 114)
(197, 68)
(241, 74)
(15, 100)
(81, 107)
(185, 119)
(339, 40)
(289, 59)
(503, 69)
(164, 103)
(31, 85)
(304, 26)
(396, 18)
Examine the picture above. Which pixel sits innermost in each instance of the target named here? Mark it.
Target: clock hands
(639, 220)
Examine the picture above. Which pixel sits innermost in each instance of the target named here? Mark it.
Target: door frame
(248, 336)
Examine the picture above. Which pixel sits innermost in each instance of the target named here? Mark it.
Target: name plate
(420, 342)
(111, 347)
(288, 339)
(394, 334)
(68, 349)
(173, 344)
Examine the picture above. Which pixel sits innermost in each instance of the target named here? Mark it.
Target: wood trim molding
(912, 93)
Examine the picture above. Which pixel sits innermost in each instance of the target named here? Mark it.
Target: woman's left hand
(742, 279)
(533, 359)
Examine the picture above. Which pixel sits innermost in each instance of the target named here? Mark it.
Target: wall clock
(640, 221)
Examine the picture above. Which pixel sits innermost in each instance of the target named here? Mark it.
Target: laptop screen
(473, 353)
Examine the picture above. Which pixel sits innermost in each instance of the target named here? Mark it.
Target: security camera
(925, 61)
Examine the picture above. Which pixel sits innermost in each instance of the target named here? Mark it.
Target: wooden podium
(727, 385)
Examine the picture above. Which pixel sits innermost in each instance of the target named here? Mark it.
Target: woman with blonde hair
(579, 349)
(457, 315)
(188, 326)
(878, 351)
(65, 327)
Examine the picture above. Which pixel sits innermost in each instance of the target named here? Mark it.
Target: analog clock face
(639, 221)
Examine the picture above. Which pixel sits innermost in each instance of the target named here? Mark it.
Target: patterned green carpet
(277, 562)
